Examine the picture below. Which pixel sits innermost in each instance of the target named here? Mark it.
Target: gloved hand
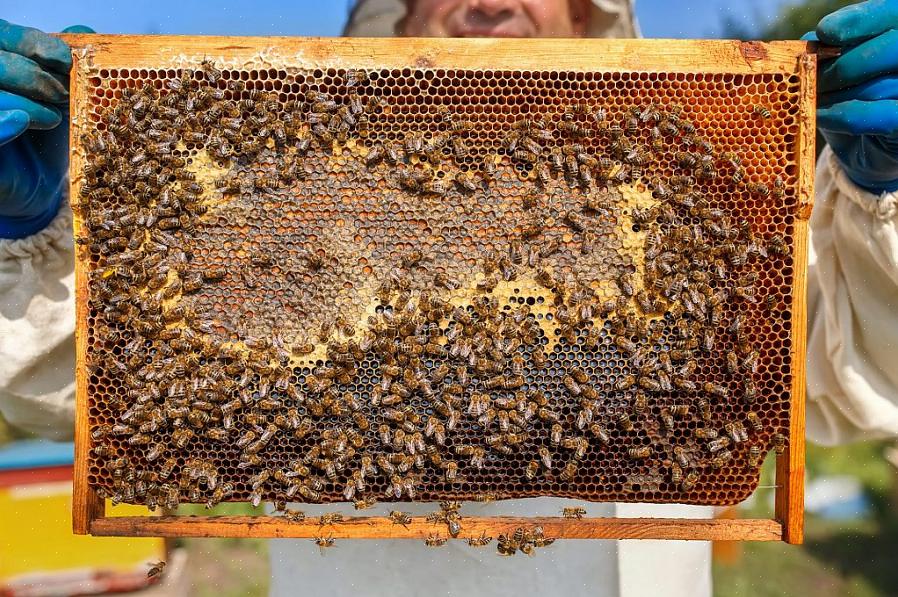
(858, 92)
(34, 99)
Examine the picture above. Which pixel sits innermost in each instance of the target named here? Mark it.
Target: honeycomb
(417, 284)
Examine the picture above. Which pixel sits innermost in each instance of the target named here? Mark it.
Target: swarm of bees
(465, 393)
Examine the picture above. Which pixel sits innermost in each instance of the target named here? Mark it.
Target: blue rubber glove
(34, 99)
(858, 92)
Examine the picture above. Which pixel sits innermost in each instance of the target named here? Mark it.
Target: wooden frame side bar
(645, 55)
(87, 506)
(384, 528)
(789, 508)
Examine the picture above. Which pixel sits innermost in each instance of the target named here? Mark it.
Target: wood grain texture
(789, 507)
(646, 55)
(86, 505)
(419, 528)
(95, 52)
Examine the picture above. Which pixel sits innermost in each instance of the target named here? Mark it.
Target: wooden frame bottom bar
(384, 528)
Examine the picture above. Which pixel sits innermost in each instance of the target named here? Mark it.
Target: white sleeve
(853, 311)
(37, 324)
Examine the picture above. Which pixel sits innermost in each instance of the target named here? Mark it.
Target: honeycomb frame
(688, 59)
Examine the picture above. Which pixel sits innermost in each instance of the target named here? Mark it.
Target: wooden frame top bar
(645, 55)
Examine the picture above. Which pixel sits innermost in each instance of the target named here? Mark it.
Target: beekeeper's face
(496, 18)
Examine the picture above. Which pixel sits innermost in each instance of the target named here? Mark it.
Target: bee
(626, 284)
(705, 433)
(625, 383)
(719, 443)
(394, 153)
(465, 182)
(451, 471)
(330, 519)
(414, 144)
(760, 111)
(754, 456)
(573, 512)
(716, 389)
(294, 515)
(758, 188)
(156, 569)
(676, 473)
(779, 442)
(375, 154)
(754, 420)
(732, 362)
(545, 457)
(459, 149)
(625, 423)
(638, 453)
(575, 221)
(776, 245)
(402, 518)
(489, 166)
(479, 541)
(355, 78)
(531, 470)
(571, 385)
(689, 481)
(749, 391)
(738, 175)
(324, 542)
(435, 541)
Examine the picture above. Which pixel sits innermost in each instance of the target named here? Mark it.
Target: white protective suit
(852, 394)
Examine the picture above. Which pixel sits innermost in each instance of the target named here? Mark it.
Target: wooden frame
(93, 53)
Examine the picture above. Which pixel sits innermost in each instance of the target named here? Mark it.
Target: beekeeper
(853, 291)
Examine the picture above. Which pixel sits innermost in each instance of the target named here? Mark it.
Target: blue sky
(659, 18)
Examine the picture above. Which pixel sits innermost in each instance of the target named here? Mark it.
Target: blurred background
(851, 545)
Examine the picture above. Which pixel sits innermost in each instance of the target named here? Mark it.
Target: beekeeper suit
(853, 284)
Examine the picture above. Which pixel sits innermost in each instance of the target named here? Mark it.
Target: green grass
(839, 558)
(226, 567)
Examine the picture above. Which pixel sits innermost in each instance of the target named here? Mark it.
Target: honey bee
(638, 453)
(459, 149)
(330, 519)
(294, 515)
(571, 385)
(760, 111)
(689, 481)
(625, 423)
(776, 245)
(414, 144)
(749, 391)
(705, 433)
(573, 512)
(435, 541)
(716, 389)
(754, 456)
(758, 188)
(156, 569)
(779, 442)
(754, 420)
(401, 518)
(531, 470)
(324, 542)
(466, 182)
(732, 362)
(479, 541)
(575, 221)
